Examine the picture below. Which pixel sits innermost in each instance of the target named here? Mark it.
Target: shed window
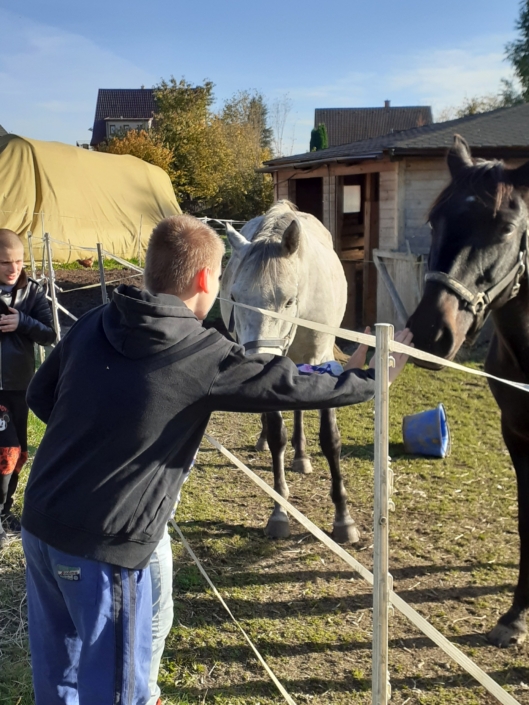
(112, 129)
(352, 198)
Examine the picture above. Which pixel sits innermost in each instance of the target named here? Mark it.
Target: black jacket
(17, 354)
(127, 395)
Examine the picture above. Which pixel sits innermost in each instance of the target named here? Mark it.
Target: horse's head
(263, 273)
(478, 251)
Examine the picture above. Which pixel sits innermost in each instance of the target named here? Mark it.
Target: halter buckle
(478, 304)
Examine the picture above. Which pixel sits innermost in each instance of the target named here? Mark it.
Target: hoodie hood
(138, 324)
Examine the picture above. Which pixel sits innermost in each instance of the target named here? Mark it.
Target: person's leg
(161, 567)
(109, 649)
(54, 643)
(19, 415)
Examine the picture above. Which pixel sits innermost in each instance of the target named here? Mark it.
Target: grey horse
(284, 261)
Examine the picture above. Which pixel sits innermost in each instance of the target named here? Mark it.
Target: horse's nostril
(443, 341)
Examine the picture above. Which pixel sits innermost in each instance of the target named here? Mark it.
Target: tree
(518, 51)
(142, 144)
(506, 97)
(318, 138)
(212, 157)
(187, 125)
(244, 192)
(281, 108)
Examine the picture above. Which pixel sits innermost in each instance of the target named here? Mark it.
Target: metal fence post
(40, 349)
(101, 264)
(381, 578)
(51, 281)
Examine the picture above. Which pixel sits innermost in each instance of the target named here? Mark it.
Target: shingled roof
(128, 103)
(345, 125)
(498, 133)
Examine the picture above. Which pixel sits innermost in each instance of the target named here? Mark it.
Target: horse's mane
(266, 251)
(486, 180)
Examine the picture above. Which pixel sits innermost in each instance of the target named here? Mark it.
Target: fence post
(100, 256)
(381, 578)
(51, 281)
(42, 355)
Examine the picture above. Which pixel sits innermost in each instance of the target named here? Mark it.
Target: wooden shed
(374, 196)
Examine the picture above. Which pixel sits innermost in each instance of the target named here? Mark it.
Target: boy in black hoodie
(127, 396)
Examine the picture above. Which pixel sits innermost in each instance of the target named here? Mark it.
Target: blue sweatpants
(89, 628)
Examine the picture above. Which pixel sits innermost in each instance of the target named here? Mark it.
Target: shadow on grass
(356, 681)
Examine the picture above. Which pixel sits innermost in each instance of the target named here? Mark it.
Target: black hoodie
(127, 396)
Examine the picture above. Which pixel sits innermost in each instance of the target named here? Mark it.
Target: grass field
(454, 557)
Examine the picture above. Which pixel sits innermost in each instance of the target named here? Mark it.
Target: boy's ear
(203, 280)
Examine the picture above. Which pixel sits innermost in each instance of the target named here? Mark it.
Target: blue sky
(54, 55)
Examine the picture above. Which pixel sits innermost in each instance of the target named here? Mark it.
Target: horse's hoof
(302, 465)
(262, 444)
(345, 532)
(504, 635)
(278, 527)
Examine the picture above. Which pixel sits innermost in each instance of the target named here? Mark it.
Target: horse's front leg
(511, 627)
(278, 526)
(344, 529)
(301, 462)
(262, 441)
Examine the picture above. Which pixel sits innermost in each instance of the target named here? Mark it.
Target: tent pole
(51, 281)
(139, 241)
(101, 264)
(42, 355)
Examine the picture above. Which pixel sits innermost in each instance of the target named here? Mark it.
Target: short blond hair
(9, 239)
(179, 247)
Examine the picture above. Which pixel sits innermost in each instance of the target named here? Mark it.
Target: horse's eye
(508, 229)
(290, 302)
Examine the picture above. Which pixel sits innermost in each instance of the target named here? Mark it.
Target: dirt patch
(81, 292)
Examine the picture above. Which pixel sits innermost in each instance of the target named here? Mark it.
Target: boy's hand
(9, 322)
(358, 358)
(405, 337)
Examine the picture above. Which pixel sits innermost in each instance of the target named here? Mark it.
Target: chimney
(386, 104)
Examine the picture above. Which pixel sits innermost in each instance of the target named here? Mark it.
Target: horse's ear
(458, 157)
(236, 240)
(519, 177)
(290, 240)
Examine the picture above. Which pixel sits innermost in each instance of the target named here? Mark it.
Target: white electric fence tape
(415, 618)
(221, 599)
(370, 340)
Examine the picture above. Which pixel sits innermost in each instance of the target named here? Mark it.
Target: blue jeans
(161, 567)
(89, 628)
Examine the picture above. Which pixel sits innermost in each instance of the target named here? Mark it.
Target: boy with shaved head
(25, 319)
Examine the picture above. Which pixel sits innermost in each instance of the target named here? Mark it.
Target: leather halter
(282, 343)
(477, 302)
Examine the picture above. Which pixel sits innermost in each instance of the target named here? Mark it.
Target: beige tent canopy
(80, 197)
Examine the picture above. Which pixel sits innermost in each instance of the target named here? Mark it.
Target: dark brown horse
(478, 265)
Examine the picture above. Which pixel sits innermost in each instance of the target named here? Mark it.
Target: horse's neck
(511, 324)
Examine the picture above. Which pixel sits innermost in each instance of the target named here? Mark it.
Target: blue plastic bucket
(427, 433)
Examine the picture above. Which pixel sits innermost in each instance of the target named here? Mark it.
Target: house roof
(345, 125)
(2, 131)
(130, 103)
(493, 134)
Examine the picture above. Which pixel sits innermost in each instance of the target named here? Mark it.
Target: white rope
(223, 603)
(371, 340)
(415, 618)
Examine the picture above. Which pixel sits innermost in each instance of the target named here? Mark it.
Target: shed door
(357, 236)
(309, 196)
